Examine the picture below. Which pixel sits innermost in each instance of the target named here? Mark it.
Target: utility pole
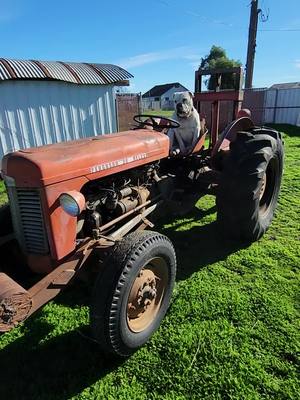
(251, 43)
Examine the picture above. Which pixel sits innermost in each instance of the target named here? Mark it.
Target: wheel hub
(146, 295)
(142, 293)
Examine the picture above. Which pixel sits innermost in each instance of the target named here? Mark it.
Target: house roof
(291, 85)
(159, 90)
(73, 72)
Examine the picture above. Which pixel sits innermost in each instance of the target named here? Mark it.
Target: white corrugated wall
(282, 106)
(34, 113)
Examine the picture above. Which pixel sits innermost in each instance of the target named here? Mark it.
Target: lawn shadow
(58, 368)
(289, 130)
(200, 245)
(35, 367)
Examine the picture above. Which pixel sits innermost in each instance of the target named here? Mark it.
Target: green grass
(232, 331)
(3, 195)
(164, 113)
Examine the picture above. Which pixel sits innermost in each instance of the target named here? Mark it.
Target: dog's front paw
(175, 152)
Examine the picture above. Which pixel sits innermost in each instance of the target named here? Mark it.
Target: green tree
(217, 58)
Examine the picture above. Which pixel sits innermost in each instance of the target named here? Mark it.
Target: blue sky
(158, 41)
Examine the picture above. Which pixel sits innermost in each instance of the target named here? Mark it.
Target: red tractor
(91, 203)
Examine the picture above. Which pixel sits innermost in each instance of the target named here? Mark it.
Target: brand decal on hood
(117, 163)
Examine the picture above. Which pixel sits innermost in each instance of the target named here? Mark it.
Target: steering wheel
(171, 122)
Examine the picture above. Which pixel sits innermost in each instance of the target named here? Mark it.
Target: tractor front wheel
(133, 292)
(250, 183)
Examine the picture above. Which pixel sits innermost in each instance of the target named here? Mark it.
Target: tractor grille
(28, 220)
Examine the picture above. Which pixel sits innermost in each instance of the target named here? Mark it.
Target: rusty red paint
(229, 134)
(15, 303)
(218, 95)
(67, 166)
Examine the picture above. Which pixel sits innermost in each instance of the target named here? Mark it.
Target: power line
(280, 30)
(264, 17)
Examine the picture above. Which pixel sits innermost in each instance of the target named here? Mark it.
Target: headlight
(72, 202)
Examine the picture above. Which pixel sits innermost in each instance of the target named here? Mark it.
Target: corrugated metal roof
(58, 71)
(3, 73)
(109, 71)
(80, 73)
(87, 74)
(23, 69)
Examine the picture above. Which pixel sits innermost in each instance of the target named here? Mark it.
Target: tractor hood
(92, 157)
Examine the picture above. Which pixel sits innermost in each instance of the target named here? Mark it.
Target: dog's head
(183, 102)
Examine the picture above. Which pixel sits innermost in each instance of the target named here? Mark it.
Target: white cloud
(194, 60)
(141, 59)
(297, 63)
(169, 54)
(193, 57)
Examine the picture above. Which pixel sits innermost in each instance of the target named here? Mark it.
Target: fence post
(117, 113)
(275, 107)
(140, 111)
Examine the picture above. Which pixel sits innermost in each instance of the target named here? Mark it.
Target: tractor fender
(229, 133)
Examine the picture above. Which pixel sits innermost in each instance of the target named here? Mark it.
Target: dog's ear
(191, 94)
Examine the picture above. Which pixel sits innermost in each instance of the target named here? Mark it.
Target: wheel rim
(267, 187)
(263, 186)
(146, 294)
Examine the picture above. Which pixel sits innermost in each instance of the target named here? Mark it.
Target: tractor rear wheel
(250, 183)
(132, 294)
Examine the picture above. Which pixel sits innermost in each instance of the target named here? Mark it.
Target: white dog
(184, 138)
